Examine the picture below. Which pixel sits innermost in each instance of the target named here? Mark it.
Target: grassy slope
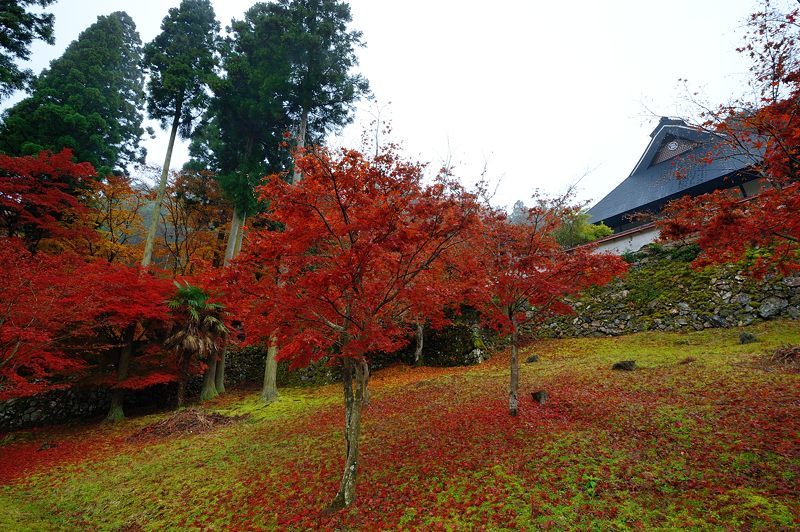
(704, 444)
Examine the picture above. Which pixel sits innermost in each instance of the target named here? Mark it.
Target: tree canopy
(181, 62)
(20, 28)
(762, 230)
(287, 68)
(243, 131)
(90, 100)
(321, 50)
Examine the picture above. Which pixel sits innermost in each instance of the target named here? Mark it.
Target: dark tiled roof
(650, 187)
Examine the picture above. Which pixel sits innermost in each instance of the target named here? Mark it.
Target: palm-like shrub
(200, 335)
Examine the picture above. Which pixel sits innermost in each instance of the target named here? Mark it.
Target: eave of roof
(711, 161)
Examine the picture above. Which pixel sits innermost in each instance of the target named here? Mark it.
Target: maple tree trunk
(115, 412)
(354, 379)
(513, 393)
(269, 392)
(162, 187)
(219, 377)
(181, 393)
(301, 142)
(418, 349)
(209, 390)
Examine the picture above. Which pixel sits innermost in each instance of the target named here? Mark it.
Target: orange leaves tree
(765, 229)
(526, 274)
(339, 280)
(194, 220)
(114, 214)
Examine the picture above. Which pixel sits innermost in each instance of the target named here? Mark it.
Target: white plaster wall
(629, 242)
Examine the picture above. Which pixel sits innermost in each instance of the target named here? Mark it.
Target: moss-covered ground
(702, 436)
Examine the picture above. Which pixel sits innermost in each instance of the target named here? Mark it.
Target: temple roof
(679, 160)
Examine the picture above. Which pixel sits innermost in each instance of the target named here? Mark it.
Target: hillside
(703, 434)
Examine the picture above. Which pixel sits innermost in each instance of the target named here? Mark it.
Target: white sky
(540, 92)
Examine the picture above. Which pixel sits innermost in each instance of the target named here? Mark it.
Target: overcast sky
(541, 93)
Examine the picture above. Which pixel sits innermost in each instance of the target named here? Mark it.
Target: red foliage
(525, 272)
(60, 314)
(126, 305)
(727, 228)
(36, 322)
(768, 131)
(38, 195)
(352, 266)
(123, 295)
(19, 460)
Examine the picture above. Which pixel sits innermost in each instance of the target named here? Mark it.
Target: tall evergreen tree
(321, 50)
(89, 100)
(20, 28)
(181, 61)
(241, 139)
(287, 67)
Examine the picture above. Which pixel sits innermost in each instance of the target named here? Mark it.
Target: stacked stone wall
(663, 292)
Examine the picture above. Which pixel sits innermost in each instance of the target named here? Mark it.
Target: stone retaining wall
(663, 292)
(459, 344)
(59, 406)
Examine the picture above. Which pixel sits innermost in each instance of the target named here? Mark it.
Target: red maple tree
(64, 319)
(765, 229)
(341, 278)
(526, 275)
(126, 308)
(40, 196)
(64, 316)
(36, 323)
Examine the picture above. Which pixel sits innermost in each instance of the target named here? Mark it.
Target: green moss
(21, 515)
(768, 512)
(662, 290)
(290, 403)
(652, 449)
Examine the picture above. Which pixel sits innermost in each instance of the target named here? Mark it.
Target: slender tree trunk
(420, 339)
(354, 380)
(513, 393)
(209, 390)
(162, 187)
(181, 393)
(219, 377)
(116, 413)
(183, 379)
(269, 392)
(239, 237)
(301, 142)
(365, 384)
(233, 235)
(232, 249)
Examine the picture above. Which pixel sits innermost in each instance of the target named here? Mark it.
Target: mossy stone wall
(662, 291)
